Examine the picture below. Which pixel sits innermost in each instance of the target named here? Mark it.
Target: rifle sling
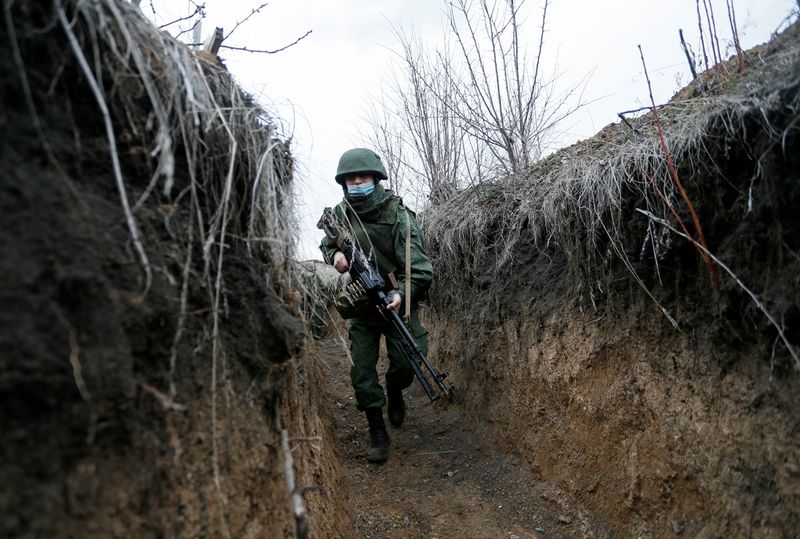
(383, 261)
(363, 239)
(408, 268)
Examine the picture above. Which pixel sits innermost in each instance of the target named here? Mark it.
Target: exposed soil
(95, 440)
(445, 476)
(636, 426)
(571, 418)
(656, 430)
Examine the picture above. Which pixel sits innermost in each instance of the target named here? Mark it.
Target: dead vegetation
(199, 291)
(152, 308)
(582, 201)
(576, 315)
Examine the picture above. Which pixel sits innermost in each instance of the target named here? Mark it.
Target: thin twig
(239, 23)
(257, 51)
(716, 37)
(735, 32)
(689, 58)
(711, 37)
(749, 292)
(198, 9)
(702, 39)
(117, 169)
(674, 173)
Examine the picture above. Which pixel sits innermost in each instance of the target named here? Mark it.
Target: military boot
(378, 437)
(397, 406)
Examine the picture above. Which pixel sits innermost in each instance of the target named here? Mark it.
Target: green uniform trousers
(365, 335)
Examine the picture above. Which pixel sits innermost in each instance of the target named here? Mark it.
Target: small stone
(564, 520)
(451, 474)
(540, 530)
(406, 521)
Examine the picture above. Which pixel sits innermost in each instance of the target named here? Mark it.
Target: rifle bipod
(414, 356)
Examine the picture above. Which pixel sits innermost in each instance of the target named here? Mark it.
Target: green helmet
(360, 160)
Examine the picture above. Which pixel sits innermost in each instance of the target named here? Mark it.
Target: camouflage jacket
(380, 230)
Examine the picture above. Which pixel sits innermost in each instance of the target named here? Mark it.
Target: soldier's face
(358, 179)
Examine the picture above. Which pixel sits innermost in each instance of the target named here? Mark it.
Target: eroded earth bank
(658, 391)
(157, 377)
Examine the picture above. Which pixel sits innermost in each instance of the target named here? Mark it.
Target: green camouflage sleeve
(326, 246)
(327, 249)
(421, 268)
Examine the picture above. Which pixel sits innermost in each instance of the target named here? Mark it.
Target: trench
(446, 475)
(579, 411)
(575, 424)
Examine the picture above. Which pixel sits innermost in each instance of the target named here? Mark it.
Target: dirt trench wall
(641, 426)
(650, 430)
(115, 420)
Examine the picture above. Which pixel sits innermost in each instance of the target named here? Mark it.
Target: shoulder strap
(408, 266)
(363, 238)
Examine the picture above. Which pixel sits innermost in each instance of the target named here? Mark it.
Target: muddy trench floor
(444, 477)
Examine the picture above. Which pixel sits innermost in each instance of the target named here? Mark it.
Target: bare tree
(476, 108)
(434, 137)
(414, 124)
(505, 101)
(388, 140)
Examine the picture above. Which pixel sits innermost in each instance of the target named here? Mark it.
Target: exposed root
(295, 493)
(756, 300)
(579, 202)
(112, 145)
(77, 371)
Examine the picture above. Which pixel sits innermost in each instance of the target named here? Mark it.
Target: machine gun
(367, 280)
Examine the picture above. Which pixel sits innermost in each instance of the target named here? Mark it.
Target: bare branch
(239, 23)
(729, 271)
(190, 29)
(689, 57)
(245, 49)
(199, 9)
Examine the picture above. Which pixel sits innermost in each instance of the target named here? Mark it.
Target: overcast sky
(320, 87)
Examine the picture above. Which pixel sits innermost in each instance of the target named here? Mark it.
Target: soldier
(380, 223)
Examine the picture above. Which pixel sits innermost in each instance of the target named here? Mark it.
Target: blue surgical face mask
(363, 190)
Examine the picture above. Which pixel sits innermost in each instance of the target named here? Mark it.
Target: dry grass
(216, 158)
(580, 199)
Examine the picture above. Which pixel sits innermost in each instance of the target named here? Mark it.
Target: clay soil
(445, 477)
(566, 422)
